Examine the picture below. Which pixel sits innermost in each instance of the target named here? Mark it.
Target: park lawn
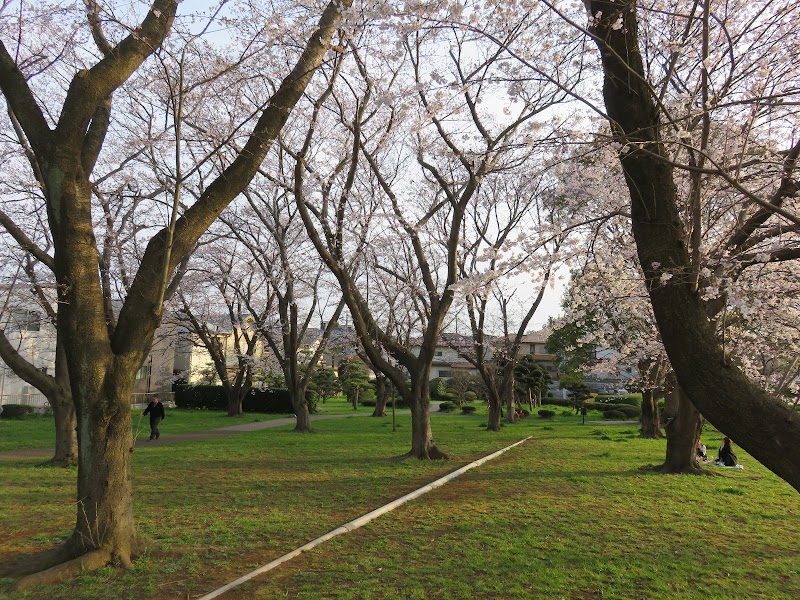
(38, 431)
(571, 513)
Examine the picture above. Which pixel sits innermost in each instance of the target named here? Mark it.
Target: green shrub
(468, 410)
(631, 412)
(438, 387)
(16, 411)
(546, 414)
(559, 401)
(447, 407)
(368, 402)
(614, 415)
(212, 397)
(630, 400)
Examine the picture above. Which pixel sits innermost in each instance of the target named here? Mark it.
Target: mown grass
(571, 513)
(38, 431)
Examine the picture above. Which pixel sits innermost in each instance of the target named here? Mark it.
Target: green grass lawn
(571, 513)
(39, 431)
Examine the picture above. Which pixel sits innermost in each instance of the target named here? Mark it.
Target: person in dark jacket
(726, 455)
(156, 411)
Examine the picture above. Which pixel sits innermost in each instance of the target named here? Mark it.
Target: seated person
(726, 455)
(700, 453)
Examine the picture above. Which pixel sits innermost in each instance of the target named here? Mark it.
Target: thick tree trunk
(382, 387)
(300, 406)
(764, 426)
(234, 403)
(66, 451)
(508, 397)
(651, 422)
(683, 426)
(105, 529)
(422, 444)
(495, 412)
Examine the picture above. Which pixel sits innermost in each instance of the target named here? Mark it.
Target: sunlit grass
(572, 513)
(38, 431)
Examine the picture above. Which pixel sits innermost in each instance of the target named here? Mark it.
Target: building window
(444, 373)
(26, 320)
(437, 353)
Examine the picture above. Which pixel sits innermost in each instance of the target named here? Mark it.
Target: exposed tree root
(34, 563)
(91, 561)
(432, 453)
(687, 470)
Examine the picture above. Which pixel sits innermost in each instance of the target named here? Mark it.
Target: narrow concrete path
(167, 438)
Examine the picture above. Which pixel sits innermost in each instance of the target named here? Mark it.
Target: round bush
(16, 411)
(546, 414)
(447, 407)
(614, 415)
(631, 412)
(468, 410)
(632, 400)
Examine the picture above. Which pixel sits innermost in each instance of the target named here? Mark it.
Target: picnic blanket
(716, 463)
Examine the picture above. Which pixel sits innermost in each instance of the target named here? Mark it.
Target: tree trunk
(508, 397)
(234, 403)
(66, 451)
(683, 426)
(105, 529)
(422, 444)
(651, 422)
(764, 426)
(300, 406)
(382, 386)
(495, 412)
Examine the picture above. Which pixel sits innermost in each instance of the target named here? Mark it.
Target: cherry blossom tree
(65, 130)
(759, 176)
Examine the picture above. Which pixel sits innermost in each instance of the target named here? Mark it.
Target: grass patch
(38, 431)
(564, 515)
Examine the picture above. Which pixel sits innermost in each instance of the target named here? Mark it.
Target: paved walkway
(142, 440)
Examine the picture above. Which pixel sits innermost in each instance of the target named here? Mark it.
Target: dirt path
(142, 440)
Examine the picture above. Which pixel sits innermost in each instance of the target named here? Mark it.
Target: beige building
(30, 331)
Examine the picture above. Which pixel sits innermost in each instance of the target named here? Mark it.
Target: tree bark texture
(683, 426)
(422, 444)
(651, 422)
(762, 425)
(66, 450)
(382, 387)
(300, 405)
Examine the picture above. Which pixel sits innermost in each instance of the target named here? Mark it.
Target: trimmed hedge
(16, 411)
(614, 415)
(546, 414)
(270, 401)
(368, 402)
(632, 412)
(447, 407)
(212, 397)
(468, 410)
(558, 401)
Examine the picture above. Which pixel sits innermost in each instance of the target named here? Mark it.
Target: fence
(40, 401)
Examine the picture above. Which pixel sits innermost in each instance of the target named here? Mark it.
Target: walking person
(156, 410)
